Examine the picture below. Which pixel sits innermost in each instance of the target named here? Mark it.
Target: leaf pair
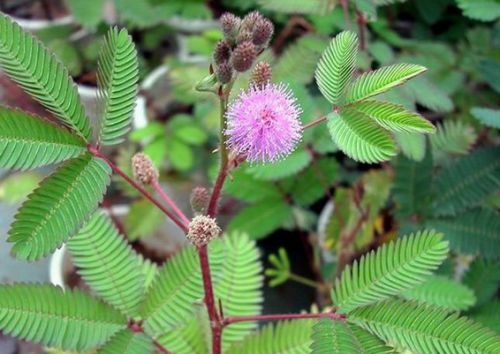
(360, 126)
(64, 201)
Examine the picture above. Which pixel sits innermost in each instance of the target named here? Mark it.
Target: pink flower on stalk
(263, 123)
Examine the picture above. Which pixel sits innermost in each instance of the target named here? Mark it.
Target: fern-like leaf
(487, 116)
(390, 270)
(381, 80)
(58, 208)
(71, 320)
(443, 292)
(238, 285)
(26, 141)
(452, 138)
(108, 264)
(359, 137)
(292, 337)
(425, 329)
(191, 338)
(40, 74)
(339, 337)
(483, 277)
(127, 342)
(465, 183)
(475, 231)
(395, 117)
(117, 77)
(336, 66)
(178, 285)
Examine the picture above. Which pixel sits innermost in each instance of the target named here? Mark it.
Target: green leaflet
(453, 138)
(488, 117)
(127, 342)
(59, 207)
(359, 137)
(191, 337)
(466, 182)
(27, 141)
(177, 286)
(474, 231)
(238, 285)
(395, 117)
(443, 292)
(483, 277)
(390, 270)
(47, 315)
(424, 329)
(338, 337)
(107, 263)
(40, 74)
(284, 337)
(378, 81)
(117, 77)
(482, 10)
(336, 66)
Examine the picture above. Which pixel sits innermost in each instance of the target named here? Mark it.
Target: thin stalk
(345, 8)
(156, 186)
(361, 29)
(334, 316)
(183, 226)
(314, 122)
(302, 280)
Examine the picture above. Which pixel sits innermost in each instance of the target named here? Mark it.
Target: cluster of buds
(202, 229)
(143, 169)
(244, 39)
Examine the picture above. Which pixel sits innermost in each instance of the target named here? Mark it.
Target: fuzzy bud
(250, 20)
(199, 200)
(224, 72)
(262, 32)
(243, 56)
(222, 52)
(202, 229)
(261, 74)
(230, 25)
(244, 36)
(143, 169)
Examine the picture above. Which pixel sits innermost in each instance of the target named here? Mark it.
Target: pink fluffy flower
(263, 123)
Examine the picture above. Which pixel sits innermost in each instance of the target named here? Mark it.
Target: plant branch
(314, 122)
(304, 281)
(334, 316)
(360, 19)
(156, 186)
(345, 8)
(183, 226)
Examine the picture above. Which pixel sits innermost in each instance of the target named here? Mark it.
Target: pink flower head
(263, 124)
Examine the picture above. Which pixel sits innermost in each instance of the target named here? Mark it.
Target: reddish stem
(362, 30)
(156, 185)
(345, 8)
(138, 187)
(215, 321)
(314, 122)
(334, 316)
(217, 190)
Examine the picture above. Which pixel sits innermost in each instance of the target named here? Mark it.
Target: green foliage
(280, 271)
(390, 270)
(359, 137)
(70, 194)
(482, 10)
(381, 80)
(41, 75)
(452, 138)
(424, 92)
(47, 315)
(332, 337)
(238, 285)
(488, 315)
(262, 218)
(336, 66)
(474, 231)
(88, 13)
(117, 77)
(488, 117)
(411, 145)
(483, 277)
(296, 6)
(412, 191)
(142, 219)
(292, 337)
(395, 117)
(127, 342)
(466, 182)
(294, 163)
(249, 189)
(107, 263)
(27, 142)
(424, 329)
(16, 187)
(443, 292)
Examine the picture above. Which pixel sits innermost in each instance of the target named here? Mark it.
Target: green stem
(303, 280)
